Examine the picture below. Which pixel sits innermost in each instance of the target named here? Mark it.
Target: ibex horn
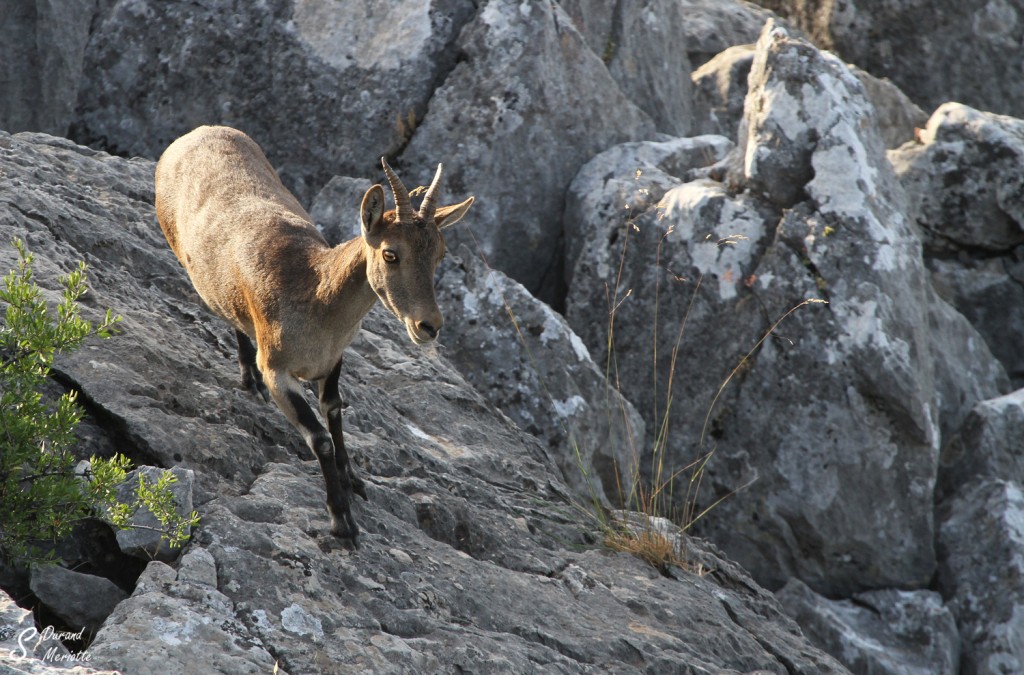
(427, 206)
(402, 204)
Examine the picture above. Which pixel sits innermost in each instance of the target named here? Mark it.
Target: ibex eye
(389, 256)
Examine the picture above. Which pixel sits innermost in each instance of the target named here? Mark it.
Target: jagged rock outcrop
(145, 541)
(24, 649)
(81, 600)
(326, 87)
(966, 189)
(910, 43)
(526, 361)
(473, 557)
(980, 514)
(713, 26)
(884, 632)
(515, 140)
(842, 391)
(329, 87)
(720, 89)
(644, 46)
(42, 47)
(815, 421)
(880, 447)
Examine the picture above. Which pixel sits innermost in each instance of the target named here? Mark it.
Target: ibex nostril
(427, 328)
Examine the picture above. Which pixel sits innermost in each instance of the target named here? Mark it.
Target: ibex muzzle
(257, 260)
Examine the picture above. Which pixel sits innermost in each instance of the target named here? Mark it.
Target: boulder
(80, 600)
(965, 185)
(335, 210)
(515, 140)
(909, 43)
(713, 26)
(897, 116)
(644, 46)
(805, 418)
(526, 361)
(143, 539)
(987, 446)
(964, 180)
(179, 617)
(980, 525)
(720, 89)
(326, 87)
(26, 649)
(981, 559)
(623, 182)
(887, 631)
(473, 556)
(434, 77)
(42, 48)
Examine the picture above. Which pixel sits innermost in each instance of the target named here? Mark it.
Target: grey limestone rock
(964, 180)
(326, 87)
(965, 184)
(713, 26)
(515, 140)
(178, 623)
(81, 600)
(527, 362)
(912, 42)
(986, 446)
(474, 556)
(25, 649)
(720, 90)
(335, 209)
(887, 632)
(644, 45)
(42, 49)
(625, 181)
(145, 541)
(981, 559)
(810, 424)
(980, 514)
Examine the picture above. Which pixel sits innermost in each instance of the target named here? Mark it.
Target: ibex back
(257, 260)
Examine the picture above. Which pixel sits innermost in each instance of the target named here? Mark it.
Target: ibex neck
(343, 279)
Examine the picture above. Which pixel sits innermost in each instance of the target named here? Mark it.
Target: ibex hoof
(359, 487)
(345, 528)
(252, 382)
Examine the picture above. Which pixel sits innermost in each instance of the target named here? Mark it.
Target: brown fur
(257, 260)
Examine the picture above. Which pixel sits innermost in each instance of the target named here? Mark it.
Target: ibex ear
(372, 210)
(446, 216)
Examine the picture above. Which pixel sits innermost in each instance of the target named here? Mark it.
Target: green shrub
(41, 497)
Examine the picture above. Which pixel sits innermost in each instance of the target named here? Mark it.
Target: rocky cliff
(744, 248)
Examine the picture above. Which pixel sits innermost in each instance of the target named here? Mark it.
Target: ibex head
(403, 249)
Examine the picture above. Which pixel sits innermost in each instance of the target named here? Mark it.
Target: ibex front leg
(287, 393)
(330, 408)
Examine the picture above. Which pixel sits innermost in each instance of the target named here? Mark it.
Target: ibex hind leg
(252, 379)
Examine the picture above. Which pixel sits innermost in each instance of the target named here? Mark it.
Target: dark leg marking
(339, 488)
(252, 380)
(330, 408)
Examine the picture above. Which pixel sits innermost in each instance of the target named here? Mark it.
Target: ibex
(257, 260)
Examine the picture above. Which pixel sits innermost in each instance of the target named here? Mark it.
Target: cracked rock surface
(475, 555)
(830, 429)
